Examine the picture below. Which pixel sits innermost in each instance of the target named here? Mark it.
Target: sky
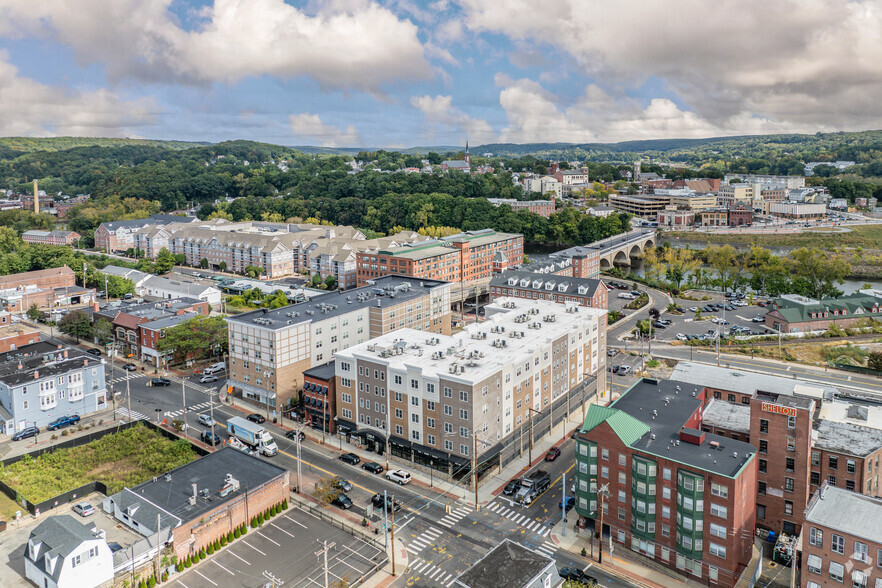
(403, 73)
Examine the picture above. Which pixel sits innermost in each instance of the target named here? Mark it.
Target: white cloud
(352, 45)
(440, 110)
(309, 127)
(29, 108)
(788, 64)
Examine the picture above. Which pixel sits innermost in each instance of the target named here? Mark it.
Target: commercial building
(15, 336)
(41, 382)
(714, 217)
(511, 565)
(842, 542)
(694, 201)
(138, 278)
(151, 332)
(676, 218)
(767, 181)
(168, 289)
(667, 489)
(445, 400)
(119, 236)
(198, 502)
(524, 284)
(463, 257)
(47, 289)
(541, 207)
(798, 210)
(271, 348)
(792, 313)
(50, 237)
(731, 194)
(62, 552)
(739, 215)
(126, 317)
(847, 447)
(646, 206)
(320, 397)
(544, 185)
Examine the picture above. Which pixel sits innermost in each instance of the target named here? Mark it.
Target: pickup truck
(532, 486)
(252, 435)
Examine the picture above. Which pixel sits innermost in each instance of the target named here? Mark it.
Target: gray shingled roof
(846, 511)
(60, 535)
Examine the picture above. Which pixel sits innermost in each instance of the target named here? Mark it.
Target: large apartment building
(525, 284)
(446, 400)
(665, 488)
(119, 236)
(463, 257)
(271, 348)
(541, 207)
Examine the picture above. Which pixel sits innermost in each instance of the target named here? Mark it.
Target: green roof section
(796, 310)
(626, 427)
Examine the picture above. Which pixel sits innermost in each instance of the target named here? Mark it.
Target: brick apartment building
(15, 336)
(842, 542)
(676, 494)
(119, 236)
(464, 257)
(151, 332)
(797, 314)
(202, 500)
(585, 260)
(541, 207)
(521, 284)
(50, 237)
(320, 397)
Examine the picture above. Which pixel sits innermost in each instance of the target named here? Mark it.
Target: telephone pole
(392, 535)
(274, 581)
(184, 401)
(324, 552)
(129, 394)
(475, 467)
(602, 491)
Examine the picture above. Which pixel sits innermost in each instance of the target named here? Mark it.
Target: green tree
(680, 263)
(76, 323)
(765, 268)
(874, 361)
(817, 270)
(728, 262)
(103, 330)
(9, 240)
(330, 282)
(326, 490)
(165, 261)
(197, 337)
(203, 263)
(34, 313)
(223, 266)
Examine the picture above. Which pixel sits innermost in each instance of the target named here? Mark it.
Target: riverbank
(865, 237)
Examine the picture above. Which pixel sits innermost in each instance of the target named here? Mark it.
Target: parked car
(511, 487)
(84, 509)
(130, 367)
(64, 421)
(160, 382)
(378, 500)
(612, 352)
(210, 437)
(578, 575)
(209, 378)
(93, 351)
(342, 484)
(571, 502)
(682, 337)
(205, 419)
(627, 296)
(400, 477)
(256, 418)
(552, 454)
(758, 319)
(350, 458)
(25, 433)
(342, 501)
(659, 325)
(693, 309)
(372, 467)
(293, 435)
(624, 370)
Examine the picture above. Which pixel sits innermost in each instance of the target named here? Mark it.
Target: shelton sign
(778, 409)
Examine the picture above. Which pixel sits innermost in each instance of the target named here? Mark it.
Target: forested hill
(30, 144)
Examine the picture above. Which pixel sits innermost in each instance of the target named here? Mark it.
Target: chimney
(36, 375)
(195, 491)
(85, 362)
(95, 306)
(65, 354)
(36, 198)
(60, 346)
(20, 366)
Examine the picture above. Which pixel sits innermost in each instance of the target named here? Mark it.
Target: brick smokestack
(36, 198)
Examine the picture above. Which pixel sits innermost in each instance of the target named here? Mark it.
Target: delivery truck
(252, 435)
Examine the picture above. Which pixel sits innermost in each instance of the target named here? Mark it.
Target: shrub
(64, 433)
(210, 549)
(188, 562)
(223, 541)
(244, 529)
(54, 436)
(230, 536)
(584, 553)
(260, 519)
(202, 553)
(164, 576)
(217, 543)
(236, 533)
(285, 504)
(179, 567)
(151, 582)
(254, 523)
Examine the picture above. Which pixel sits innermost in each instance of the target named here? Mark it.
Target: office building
(444, 400)
(792, 313)
(667, 489)
(271, 348)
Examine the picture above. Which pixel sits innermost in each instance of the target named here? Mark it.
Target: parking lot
(286, 548)
(688, 325)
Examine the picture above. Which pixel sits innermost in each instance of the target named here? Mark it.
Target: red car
(552, 454)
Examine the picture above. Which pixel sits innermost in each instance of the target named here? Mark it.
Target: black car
(512, 487)
(350, 458)
(93, 351)
(160, 382)
(577, 575)
(130, 367)
(342, 501)
(64, 421)
(378, 500)
(294, 434)
(210, 438)
(25, 433)
(373, 467)
(256, 418)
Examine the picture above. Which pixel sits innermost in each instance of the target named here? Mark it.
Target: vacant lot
(866, 237)
(121, 459)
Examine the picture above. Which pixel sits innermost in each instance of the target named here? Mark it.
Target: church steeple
(468, 158)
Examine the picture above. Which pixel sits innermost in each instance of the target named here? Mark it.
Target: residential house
(62, 552)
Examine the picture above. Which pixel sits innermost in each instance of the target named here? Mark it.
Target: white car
(208, 378)
(399, 476)
(205, 419)
(682, 337)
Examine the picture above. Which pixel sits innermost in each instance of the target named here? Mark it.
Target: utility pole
(563, 509)
(392, 534)
(297, 438)
(602, 491)
(156, 561)
(211, 417)
(129, 394)
(385, 520)
(324, 552)
(475, 466)
(274, 581)
(184, 401)
(530, 412)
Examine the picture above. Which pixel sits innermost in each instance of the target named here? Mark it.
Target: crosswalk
(122, 379)
(519, 519)
(425, 539)
(454, 516)
(547, 548)
(123, 413)
(194, 408)
(429, 572)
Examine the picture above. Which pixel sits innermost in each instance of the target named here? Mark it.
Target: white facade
(165, 288)
(89, 564)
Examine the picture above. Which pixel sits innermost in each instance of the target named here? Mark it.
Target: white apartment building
(442, 396)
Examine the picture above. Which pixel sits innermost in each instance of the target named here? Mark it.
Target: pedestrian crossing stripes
(548, 548)
(426, 539)
(195, 407)
(122, 379)
(519, 519)
(426, 570)
(123, 413)
(454, 516)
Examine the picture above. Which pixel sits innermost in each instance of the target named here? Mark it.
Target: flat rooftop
(381, 292)
(846, 511)
(665, 406)
(846, 438)
(43, 357)
(508, 564)
(746, 382)
(727, 415)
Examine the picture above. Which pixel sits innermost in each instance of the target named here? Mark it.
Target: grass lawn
(120, 459)
(868, 237)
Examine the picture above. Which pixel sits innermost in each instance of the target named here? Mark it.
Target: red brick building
(47, 279)
(50, 237)
(675, 494)
(319, 397)
(842, 540)
(521, 284)
(739, 215)
(585, 260)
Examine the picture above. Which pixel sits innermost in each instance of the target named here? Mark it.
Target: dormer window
(562, 288)
(549, 286)
(583, 290)
(537, 284)
(512, 281)
(525, 283)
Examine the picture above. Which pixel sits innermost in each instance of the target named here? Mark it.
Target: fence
(93, 486)
(857, 369)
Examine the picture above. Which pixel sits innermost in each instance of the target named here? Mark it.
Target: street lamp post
(530, 440)
(603, 492)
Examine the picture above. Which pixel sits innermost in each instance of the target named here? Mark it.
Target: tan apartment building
(119, 236)
(541, 207)
(271, 348)
(731, 194)
(443, 401)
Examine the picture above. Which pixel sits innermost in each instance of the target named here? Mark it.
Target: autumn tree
(815, 271)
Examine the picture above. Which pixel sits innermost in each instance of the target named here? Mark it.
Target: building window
(834, 462)
(764, 426)
(788, 507)
(816, 458)
(849, 466)
(763, 446)
(464, 449)
(814, 563)
(788, 484)
(816, 537)
(815, 478)
(718, 510)
(837, 571)
(763, 465)
(837, 543)
(761, 488)
(831, 480)
(717, 550)
(791, 422)
(789, 464)
(861, 552)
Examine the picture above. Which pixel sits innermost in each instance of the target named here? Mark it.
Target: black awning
(400, 441)
(430, 452)
(460, 461)
(324, 389)
(345, 426)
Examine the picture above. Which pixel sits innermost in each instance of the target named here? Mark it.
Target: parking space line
(206, 577)
(256, 549)
(298, 522)
(182, 584)
(268, 539)
(223, 568)
(239, 558)
(283, 531)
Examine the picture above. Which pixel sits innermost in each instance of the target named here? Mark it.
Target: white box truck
(252, 435)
